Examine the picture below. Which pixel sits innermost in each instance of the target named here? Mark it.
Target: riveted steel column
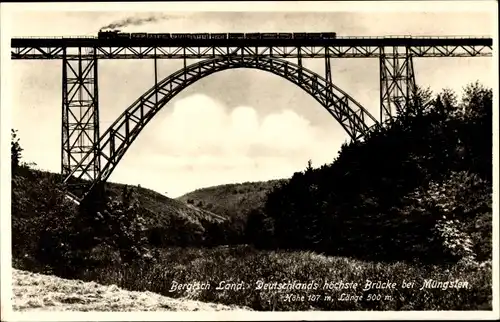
(65, 150)
(397, 82)
(328, 73)
(80, 117)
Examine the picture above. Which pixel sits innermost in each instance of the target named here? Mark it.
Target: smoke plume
(137, 21)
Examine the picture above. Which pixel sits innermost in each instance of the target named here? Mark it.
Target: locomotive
(116, 34)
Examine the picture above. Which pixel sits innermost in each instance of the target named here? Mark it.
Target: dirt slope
(37, 292)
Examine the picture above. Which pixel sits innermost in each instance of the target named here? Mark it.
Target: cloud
(199, 125)
(200, 142)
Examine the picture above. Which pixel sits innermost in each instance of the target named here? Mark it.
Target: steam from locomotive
(137, 21)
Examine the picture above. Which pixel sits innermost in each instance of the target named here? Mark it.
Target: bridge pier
(80, 117)
(299, 61)
(156, 76)
(397, 82)
(328, 71)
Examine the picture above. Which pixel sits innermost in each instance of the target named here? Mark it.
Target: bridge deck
(341, 41)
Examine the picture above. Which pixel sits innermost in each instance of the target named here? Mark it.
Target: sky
(236, 125)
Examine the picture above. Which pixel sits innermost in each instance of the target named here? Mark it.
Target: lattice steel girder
(328, 69)
(120, 135)
(80, 116)
(209, 52)
(397, 81)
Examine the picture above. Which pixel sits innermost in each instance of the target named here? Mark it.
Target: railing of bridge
(56, 37)
(414, 37)
(338, 37)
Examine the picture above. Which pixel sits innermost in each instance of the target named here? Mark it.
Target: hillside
(162, 208)
(231, 200)
(167, 221)
(159, 208)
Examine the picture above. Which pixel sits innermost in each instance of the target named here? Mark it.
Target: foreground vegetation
(412, 202)
(244, 265)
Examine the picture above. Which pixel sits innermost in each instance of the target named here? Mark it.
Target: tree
(477, 101)
(125, 226)
(309, 166)
(15, 151)
(449, 100)
(259, 229)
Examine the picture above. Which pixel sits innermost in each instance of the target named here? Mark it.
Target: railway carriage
(329, 35)
(154, 36)
(269, 35)
(238, 35)
(254, 35)
(200, 36)
(116, 34)
(138, 35)
(314, 35)
(285, 35)
(218, 36)
(299, 35)
(165, 36)
(181, 36)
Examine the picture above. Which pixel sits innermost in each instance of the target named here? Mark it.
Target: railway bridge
(89, 157)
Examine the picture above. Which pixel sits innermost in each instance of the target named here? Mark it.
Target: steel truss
(121, 134)
(210, 52)
(80, 116)
(397, 82)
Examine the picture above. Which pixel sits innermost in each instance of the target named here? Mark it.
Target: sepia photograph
(309, 159)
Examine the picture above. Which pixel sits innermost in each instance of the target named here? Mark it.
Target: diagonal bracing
(80, 116)
(397, 81)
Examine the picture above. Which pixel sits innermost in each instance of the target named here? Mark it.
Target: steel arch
(113, 143)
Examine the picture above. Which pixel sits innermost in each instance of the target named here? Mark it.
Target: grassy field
(240, 271)
(38, 293)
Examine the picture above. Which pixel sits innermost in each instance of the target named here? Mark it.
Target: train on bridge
(116, 34)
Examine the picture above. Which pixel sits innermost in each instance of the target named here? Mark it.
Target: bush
(119, 224)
